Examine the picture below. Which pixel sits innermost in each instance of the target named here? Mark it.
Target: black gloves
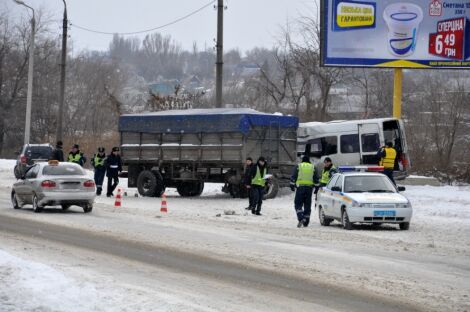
(292, 186)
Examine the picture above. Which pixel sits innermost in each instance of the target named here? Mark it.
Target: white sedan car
(363, 197)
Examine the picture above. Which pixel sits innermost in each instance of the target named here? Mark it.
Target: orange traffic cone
(164, 208)
(117, 202)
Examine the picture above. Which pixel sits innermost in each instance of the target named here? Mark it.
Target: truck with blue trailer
(184, 149)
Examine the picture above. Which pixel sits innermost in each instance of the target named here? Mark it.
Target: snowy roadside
(432, 260)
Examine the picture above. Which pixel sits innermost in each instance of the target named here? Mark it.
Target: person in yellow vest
(304, 179)
(387, 156)
(98, 163)
(327, 173)
(257, 184)
(76, 156)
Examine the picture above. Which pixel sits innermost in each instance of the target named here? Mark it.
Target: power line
(147, 30)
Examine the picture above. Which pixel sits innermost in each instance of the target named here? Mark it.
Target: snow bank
(7, 177)
(38, 287)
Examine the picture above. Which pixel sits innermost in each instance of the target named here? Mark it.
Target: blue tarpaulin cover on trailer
(203, 120)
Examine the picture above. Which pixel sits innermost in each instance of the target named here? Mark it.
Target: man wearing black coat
(57, 153)
(247, 181)
(113, 167)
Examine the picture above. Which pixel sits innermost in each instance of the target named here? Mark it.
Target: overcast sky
(248, 23)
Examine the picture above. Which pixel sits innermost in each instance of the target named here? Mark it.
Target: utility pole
(220, 54)
(29, 95)
(59, 134)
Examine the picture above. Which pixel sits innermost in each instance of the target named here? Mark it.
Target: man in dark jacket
(57, 153)
(113, 167)
(303, 179)
(247, 181)
(76, 156)
(257, 180)
(98, 163)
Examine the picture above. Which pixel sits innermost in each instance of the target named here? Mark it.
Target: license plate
(384, 213)
(70, 186)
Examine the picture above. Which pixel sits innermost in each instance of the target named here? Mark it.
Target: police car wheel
(324, 221)
(405, 226)
(345, 220)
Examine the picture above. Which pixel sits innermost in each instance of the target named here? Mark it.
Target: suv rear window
(62, 170)
(38, 152)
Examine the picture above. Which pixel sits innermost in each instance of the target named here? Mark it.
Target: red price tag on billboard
(448, 42)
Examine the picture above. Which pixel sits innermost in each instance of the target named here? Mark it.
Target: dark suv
(31, 154)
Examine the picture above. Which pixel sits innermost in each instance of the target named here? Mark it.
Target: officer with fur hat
(98, 163)
(303, 179)
(113, 167)
(76, 156)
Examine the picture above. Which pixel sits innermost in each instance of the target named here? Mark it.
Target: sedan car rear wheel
(345, 220)
(36, 206)
(14, 201)
(87, 208)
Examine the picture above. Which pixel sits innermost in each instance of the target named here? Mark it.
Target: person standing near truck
(303, 181)
(113, 167)
(387, 155)
(98, 163)
(246, 181)
(257, 184)
(57, 153)
(76, 156)
(327, 173)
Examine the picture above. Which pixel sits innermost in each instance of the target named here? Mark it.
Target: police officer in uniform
(257, 183)
(113, 167)
(76, 156)
(328, 171)
(387, 156)
(98, 163)
(303, 179)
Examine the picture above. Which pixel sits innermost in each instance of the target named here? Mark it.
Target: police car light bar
(361, 168)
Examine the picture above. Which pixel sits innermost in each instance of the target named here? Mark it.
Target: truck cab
(354, 142)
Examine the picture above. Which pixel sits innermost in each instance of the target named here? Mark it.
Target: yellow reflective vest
(326, 175)
(75, 158)
(389, 160)
(305, 174)
(258, 179)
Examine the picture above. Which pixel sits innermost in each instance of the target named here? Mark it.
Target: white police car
(357, 194)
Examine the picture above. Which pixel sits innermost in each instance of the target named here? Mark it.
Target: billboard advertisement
(390, 33)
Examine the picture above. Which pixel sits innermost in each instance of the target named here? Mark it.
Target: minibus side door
(369, 139)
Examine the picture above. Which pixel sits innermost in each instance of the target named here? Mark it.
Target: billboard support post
(397, 92)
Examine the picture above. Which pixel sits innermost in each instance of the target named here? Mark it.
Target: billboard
(391, 33)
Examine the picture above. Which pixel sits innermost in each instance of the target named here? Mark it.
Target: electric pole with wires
(220, 54)
(59, 134)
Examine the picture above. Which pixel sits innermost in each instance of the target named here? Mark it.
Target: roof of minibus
(309, 128)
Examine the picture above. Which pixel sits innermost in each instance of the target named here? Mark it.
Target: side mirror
(336, 189)
(401, 189)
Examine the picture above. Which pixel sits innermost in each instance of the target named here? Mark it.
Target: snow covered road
(428, 266)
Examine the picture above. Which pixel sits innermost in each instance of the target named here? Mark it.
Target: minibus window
(323, 146)
(350, 143)
(370, 142)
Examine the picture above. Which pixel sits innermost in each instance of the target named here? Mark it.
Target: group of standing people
(304, 181)
(103, 165)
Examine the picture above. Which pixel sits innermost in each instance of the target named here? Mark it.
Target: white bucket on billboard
(403, 20)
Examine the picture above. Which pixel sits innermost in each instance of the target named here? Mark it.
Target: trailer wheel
(238, 191)
(190, 189)
(147, 183)
(271, 189)
(160, 188)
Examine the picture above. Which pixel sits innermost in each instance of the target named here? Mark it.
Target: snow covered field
(428, 265)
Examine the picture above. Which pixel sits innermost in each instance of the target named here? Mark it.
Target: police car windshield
(62, 170)
(372, 184)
